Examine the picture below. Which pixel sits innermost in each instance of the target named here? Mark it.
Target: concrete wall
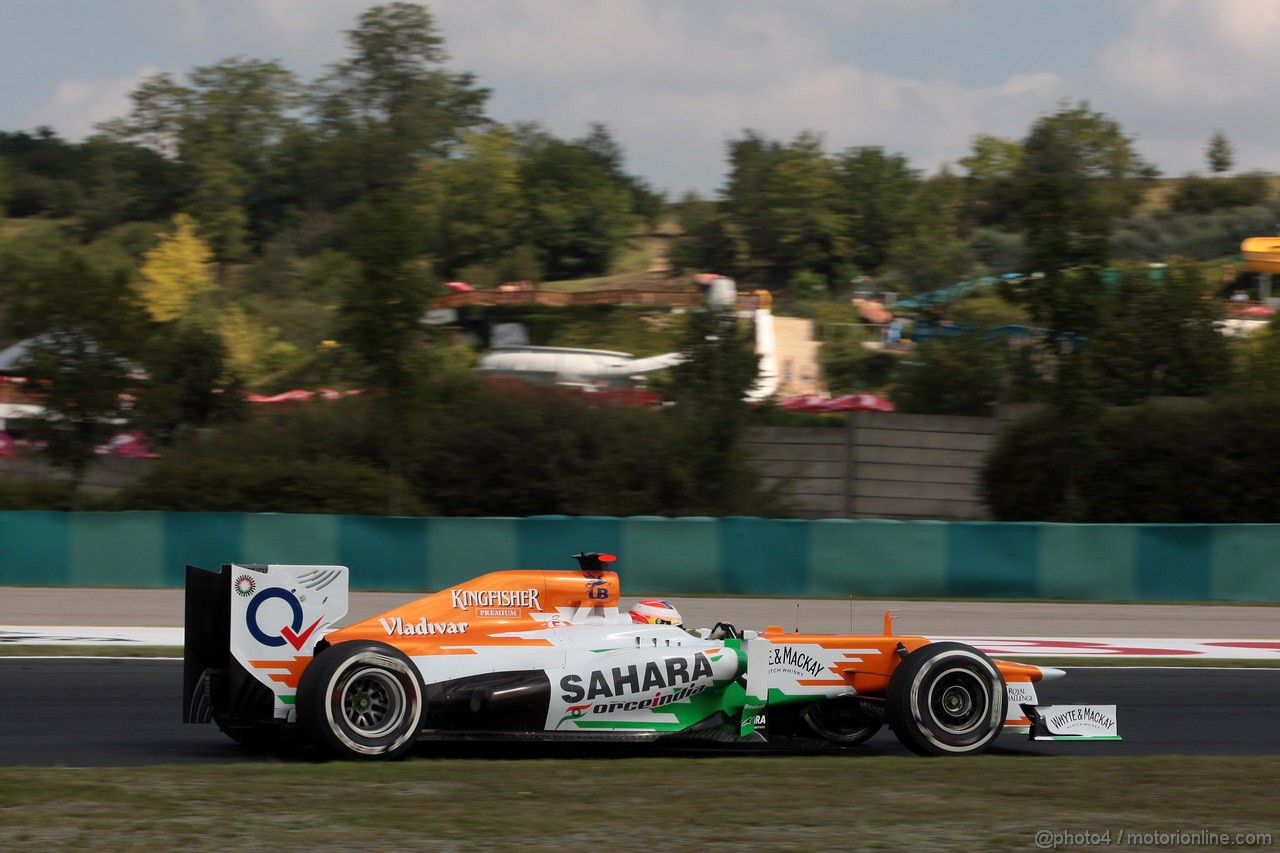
(108, 474)
(880, 465)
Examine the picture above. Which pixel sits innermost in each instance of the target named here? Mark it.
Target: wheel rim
(958, 701)
(373, 702)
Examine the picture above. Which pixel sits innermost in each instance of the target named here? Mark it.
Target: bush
(1206, 464)
(999, 251)
(35, 494)
(191, 484)
(470, 449)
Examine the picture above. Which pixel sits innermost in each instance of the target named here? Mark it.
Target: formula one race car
(547, 655)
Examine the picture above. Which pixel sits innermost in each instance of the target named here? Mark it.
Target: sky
(676, 80)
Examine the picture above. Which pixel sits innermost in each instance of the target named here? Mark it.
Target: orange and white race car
(548, 655)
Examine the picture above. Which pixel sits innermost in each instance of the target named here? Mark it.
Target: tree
(177, 274)
(471, 202)
(225, 129)
(599, 143)
(4, 185)
(1158, 337)
(706, 243)
(1078, 172)
(991, 196)
(785, 201)
(190, 384)
(82, 387)
(393, 96)
(81, 321)
(1219, 153)
(380, 312)
(709, 387)
(957, 375)
(573, 211)
(877, 199)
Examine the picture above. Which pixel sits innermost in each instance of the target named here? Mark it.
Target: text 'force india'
(547, 655)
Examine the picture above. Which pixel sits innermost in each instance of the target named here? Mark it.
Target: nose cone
(1049, 673)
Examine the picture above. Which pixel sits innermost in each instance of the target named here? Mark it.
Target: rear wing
(248, 624)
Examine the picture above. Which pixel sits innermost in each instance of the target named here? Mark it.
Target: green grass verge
(780, 803)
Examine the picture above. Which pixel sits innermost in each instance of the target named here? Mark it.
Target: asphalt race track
(103, 712)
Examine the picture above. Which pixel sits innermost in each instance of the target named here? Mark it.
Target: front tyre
(361, 700)
(946, 699)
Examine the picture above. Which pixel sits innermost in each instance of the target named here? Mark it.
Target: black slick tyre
(361, 700)
(946, 699)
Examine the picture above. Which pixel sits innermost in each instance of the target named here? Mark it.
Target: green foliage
(930, 259)
(807, 284)
(190, 383)
(706, 242)
(1206, 236)
(848, 366)
(1210, 464)
(957, 375)
(81, 384)
(720, 365)
(990, 191)
(380, 310)
(1256, 362)
(985, 309)
(878, 198)
(1157, 337)
(472, 449)
(784, 200)
(575, 214)
(1205, 195)
(471, 203)
(998, 251)
(1219, 153)
(190, 483)
(1078, 171)
(84, 321)
(44, 174)
(52, 495)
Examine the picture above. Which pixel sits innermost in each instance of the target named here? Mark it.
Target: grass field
(740, 803)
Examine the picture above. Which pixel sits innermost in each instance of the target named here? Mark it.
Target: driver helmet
(655, 611)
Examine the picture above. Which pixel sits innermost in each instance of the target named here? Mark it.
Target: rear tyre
(361, 700)
(946, 699)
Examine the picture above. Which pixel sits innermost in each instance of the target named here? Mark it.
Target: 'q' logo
(293, 634)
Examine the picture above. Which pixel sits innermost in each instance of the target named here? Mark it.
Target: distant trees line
(241, 227)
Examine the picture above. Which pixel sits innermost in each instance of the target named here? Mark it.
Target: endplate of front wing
(1072, 722)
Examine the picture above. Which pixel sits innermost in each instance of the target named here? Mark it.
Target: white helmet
(655, 611)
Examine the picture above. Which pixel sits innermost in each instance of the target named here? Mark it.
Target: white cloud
(675, 82)
(1188, 67)
(1221, 52)
(77, 105)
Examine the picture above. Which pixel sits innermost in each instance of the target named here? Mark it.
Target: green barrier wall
(755, 556)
